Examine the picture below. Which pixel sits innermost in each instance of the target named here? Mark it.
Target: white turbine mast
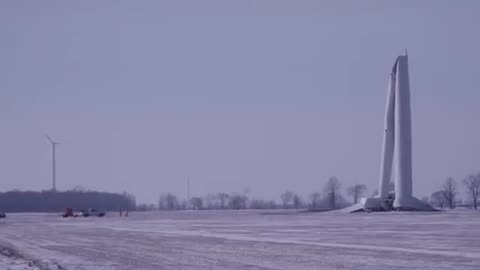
(54, 183)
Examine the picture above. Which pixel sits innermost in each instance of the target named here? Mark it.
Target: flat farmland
(243, 240)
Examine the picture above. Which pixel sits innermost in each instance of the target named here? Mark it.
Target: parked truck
(69, 212)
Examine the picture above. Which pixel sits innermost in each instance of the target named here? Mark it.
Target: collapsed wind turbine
(396, 151)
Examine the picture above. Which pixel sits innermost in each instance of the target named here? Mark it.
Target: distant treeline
(332, 197)
(50, 201)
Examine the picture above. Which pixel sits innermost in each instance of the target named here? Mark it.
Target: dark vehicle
(84, 213)
(92, 212)
(2, 215)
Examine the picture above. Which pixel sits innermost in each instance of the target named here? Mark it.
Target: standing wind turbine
(54, 184)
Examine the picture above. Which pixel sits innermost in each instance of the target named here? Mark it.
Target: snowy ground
(242, 240)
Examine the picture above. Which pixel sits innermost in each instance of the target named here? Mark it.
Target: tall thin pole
(188, 192)
(54, 187)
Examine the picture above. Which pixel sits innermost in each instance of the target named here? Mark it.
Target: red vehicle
(68, 212)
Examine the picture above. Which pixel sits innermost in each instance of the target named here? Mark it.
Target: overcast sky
(265, 95)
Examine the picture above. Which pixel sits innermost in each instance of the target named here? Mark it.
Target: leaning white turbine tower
(396, 150)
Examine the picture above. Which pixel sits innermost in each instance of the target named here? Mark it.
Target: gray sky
(269, 95)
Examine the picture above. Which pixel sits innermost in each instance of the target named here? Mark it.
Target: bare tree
(449, 191)
(210, 201)
(223, 198)
(356, 191)
(245, 196)
(183, 204)
(234, 201)
(286, 197)
(172, 202)
(297, 201)
(261, 204)
(315, 199)
(438, 199)
(162, 201)
(168, 201)
(238, 200)
(197, 203)
(332, 190)
(472, 184)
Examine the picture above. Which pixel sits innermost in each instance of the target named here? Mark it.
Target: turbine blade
(50, 139)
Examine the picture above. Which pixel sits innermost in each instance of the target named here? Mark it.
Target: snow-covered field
(242, 240)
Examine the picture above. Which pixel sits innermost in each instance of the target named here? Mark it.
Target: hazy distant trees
(211, 201)
(223, 199)
(472, 184)
(315, 198)
(238, 201)
(286, 198)
(332, 191)
(131, 200)
(48, 201)
(146, 207)
(197, 203)
(356, 191)
(449, 191)
(168, 201)
(297, 201)
(262, 204)
(331, 198)
(438, 199)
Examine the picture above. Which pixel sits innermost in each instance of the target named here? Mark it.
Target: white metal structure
(54, 183)
(396, 150)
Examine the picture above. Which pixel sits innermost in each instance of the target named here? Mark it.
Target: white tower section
(403, 136)
(388, 140)
(397, 140)
(396, 150)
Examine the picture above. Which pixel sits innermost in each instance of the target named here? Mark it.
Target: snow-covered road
(243, 240)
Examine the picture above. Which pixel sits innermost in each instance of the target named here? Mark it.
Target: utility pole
(188, 192)
(54, 183)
